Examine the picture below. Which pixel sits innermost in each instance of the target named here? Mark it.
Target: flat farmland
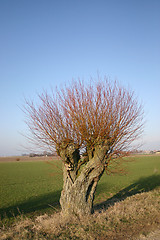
(27, 159)
(33, 185)
(29, 184)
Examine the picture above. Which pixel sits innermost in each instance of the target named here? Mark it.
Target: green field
(34, 187)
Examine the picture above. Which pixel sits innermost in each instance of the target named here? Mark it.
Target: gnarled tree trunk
(78, 190)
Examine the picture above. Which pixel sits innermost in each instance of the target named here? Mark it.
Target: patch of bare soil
(27, 158)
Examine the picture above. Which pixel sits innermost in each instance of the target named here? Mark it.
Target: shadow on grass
(49, 202)
(33, 205)
(144, 184)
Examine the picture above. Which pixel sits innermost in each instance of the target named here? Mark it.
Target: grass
(143, 175)
(124, 220)
(32, 188)
(35, 186)
(27, 187)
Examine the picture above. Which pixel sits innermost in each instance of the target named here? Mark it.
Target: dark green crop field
(33, 187)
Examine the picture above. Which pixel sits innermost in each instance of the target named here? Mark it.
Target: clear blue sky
(45, 43)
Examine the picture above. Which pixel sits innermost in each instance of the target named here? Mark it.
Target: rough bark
(78, 190)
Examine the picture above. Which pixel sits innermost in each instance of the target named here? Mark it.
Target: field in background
(27, 158)
(29, 184)
(34, 186)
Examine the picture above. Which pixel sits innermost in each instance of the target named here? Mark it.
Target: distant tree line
(48, 154)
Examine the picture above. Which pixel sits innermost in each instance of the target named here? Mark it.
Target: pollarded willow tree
(89, 127)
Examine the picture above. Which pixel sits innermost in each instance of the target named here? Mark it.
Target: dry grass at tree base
(128, 219)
